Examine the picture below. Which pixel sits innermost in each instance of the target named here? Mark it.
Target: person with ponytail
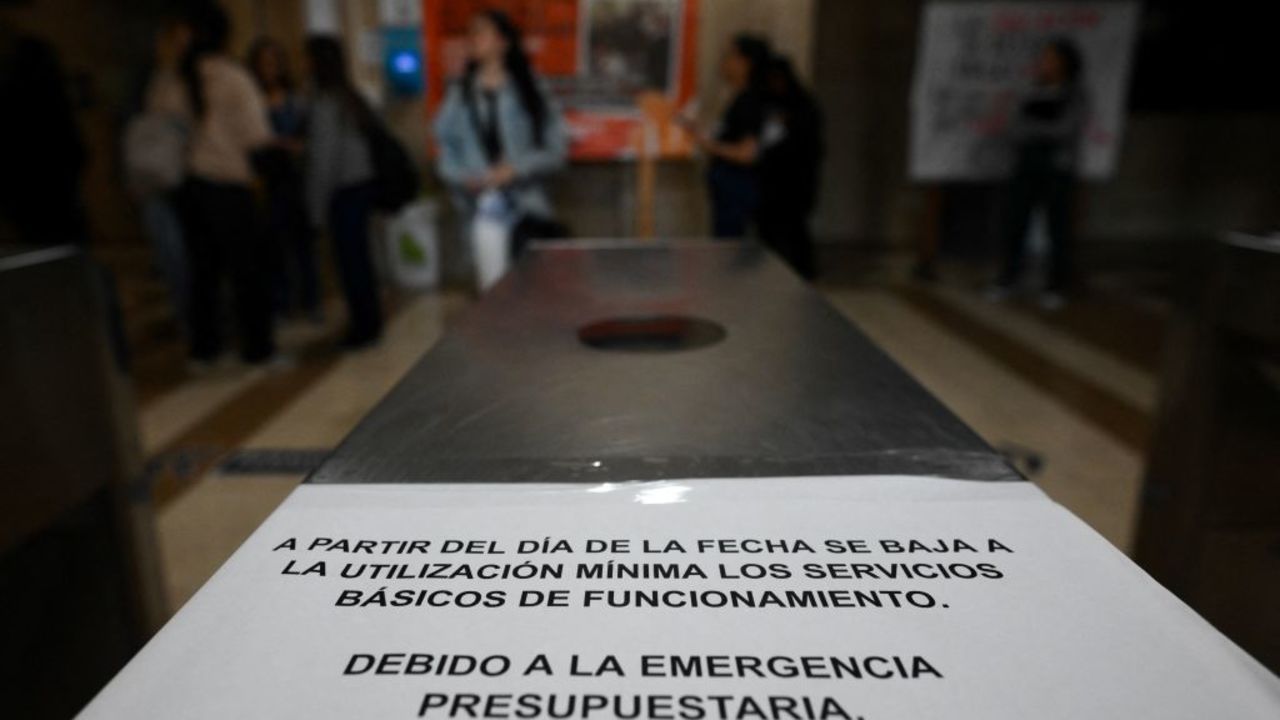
(219, 211)
(499, 135)
(341, 184)
(296, 279)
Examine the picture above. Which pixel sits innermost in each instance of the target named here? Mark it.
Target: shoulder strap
(473, 112)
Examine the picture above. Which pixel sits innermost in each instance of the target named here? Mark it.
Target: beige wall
(279, 19)
(864, 55)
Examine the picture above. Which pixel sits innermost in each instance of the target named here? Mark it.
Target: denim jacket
(460, 151)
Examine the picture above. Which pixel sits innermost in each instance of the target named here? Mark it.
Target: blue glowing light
(405, 63)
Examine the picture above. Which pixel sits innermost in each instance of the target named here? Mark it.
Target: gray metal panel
(80, 588)
(511, 395)
(59, 443)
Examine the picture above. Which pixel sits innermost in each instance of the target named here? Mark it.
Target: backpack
(155, 153)
(395, 180)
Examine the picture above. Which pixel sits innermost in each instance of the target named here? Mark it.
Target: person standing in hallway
(1046, 131)
(340, 184)
(734, 147)
(155, 159)
(220, 215)
(296, 285)
(790, 158)
(500, 136)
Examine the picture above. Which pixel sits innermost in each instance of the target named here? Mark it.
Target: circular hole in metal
(653, 333)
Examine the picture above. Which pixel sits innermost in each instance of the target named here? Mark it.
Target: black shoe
(276, 361)
(359, 340)
(925, 271)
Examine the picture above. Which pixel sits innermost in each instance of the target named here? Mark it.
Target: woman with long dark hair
(220, 217)
(1046, 133)
(340, 187)
(296, 283)
(734, 147)
(499, 135)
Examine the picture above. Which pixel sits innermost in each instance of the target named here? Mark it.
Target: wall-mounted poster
(628, 48)
(621, 69)
(975, 58)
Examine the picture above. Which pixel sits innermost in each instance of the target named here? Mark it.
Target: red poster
(621, 69)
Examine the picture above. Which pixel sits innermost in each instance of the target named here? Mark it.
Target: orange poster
(622, 70)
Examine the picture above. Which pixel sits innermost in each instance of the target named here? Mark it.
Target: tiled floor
(1085, 468)
(1034, 384)
(200, 527)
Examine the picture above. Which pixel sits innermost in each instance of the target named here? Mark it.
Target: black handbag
(395, 179)
(530, 229)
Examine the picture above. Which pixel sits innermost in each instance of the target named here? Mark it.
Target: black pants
(296, 281)
(349, 212)
(1036, 183)
(224, 241)
(735, 193)
(784, 228)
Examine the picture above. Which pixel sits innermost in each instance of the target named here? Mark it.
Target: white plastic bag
(491, 238)
(412, 242)
(155, 153)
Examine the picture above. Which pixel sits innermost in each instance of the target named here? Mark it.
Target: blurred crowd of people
(239, 166)
(242, 166)
(237, 169)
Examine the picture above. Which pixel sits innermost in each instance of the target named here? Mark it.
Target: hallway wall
(863, 56)
(1181, 175)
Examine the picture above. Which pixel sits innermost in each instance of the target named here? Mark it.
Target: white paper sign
(873, 598)
(975, 58)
